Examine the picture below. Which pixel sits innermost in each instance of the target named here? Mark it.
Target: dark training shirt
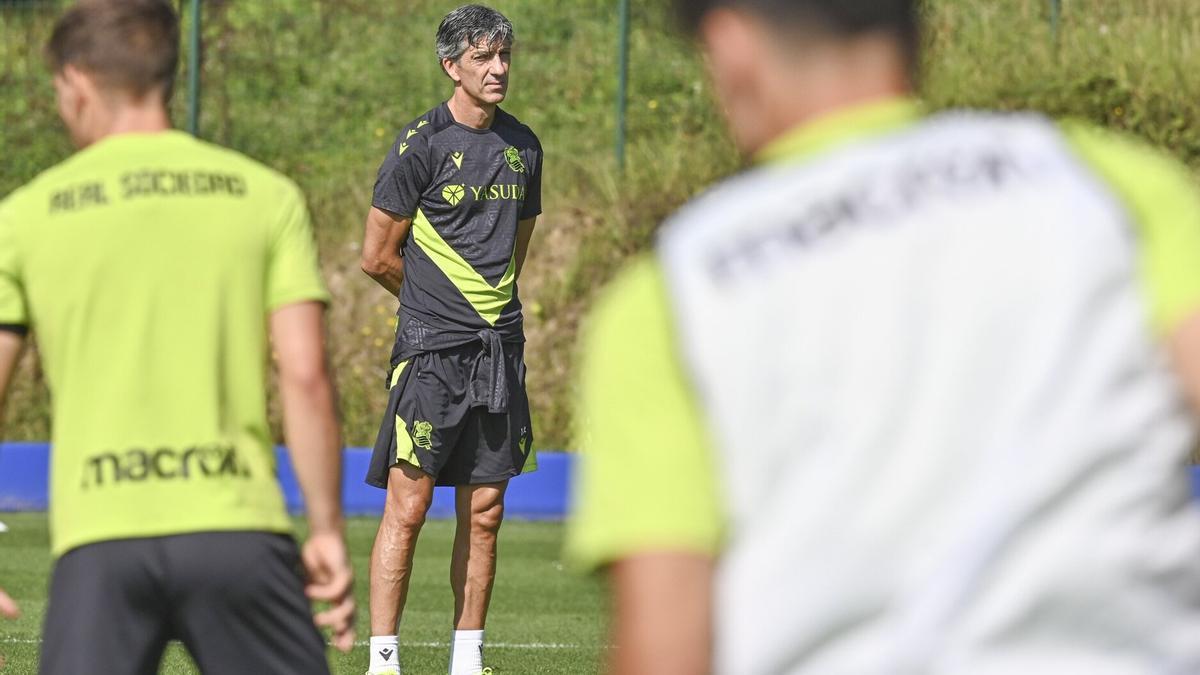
(465, 190)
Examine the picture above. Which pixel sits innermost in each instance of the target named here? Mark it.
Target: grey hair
(471, 25)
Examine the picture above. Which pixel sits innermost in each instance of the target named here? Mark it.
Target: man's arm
(311, 430)
(383, 236)
(524, 234)
(657, 536)
(662, 614)
(1184, 345)
(8, 608)
(11, 346)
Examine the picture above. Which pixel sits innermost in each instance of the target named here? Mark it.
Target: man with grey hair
(453, 210)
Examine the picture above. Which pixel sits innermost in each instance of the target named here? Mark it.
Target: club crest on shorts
(514, 159)
(423, 435)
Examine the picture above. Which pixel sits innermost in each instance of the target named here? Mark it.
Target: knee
(488, 519)
(407, 514)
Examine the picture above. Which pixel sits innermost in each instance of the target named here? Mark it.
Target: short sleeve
(293, 273)
(14, 313)
(1164, 205)
(404, 175)
(532, 207)
(646, 479)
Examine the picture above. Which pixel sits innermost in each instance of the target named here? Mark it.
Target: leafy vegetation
(318, 88)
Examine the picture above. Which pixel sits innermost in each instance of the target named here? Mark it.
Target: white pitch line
(364, 643)
(490, 645)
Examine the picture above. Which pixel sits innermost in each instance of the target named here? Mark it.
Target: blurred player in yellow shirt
(152, 268)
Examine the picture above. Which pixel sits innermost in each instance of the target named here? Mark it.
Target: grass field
(543, 619)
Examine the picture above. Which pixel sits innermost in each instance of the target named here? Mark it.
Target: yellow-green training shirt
(146, 266)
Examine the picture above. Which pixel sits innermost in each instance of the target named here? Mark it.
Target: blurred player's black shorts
(235, 599)
(458, 414)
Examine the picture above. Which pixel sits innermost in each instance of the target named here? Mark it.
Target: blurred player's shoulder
(259, 175)
(1152, 184)
(1131, 165)
(1162, 205)
(637, 287)
(1120, 159)
(1087, 136)
(112, 159)
(32, 191)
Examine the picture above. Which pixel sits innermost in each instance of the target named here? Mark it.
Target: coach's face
(482, 72)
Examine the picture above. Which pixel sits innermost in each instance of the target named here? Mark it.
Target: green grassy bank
(317, 88)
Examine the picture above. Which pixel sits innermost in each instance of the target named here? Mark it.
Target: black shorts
(451, 415)
(235, 599)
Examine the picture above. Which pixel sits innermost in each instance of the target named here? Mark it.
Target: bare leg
(480, 509)
(409, 493)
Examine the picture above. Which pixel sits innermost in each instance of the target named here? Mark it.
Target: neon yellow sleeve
(1162, 199)
(647, 480)
(13, 311)
(293, 274)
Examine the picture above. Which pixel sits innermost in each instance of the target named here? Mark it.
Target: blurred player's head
(109, 56)
(778, 62)
(474, 45)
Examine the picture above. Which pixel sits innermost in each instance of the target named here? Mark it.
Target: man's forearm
(8, 609)
(388, 273)
(310, 424)
(311, 432)
(524, 235)
(662, 615)
(1184, 345)
(12, 344)
(383, 239)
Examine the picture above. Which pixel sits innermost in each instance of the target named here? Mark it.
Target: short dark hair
(127, 45)
(840, 18)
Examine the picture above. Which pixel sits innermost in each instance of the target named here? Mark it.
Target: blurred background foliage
(319, 88)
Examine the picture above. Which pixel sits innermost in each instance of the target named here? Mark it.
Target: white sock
(466, 652)
(385, 653)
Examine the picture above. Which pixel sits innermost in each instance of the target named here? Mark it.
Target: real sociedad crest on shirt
(514, 159)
